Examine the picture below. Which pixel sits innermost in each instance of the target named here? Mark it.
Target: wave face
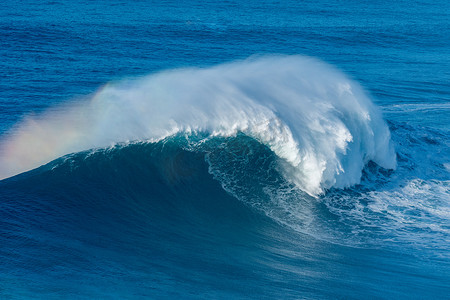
(387, 208)
(221, 209)
(321, 125)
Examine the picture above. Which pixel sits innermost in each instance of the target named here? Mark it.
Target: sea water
(253, 149)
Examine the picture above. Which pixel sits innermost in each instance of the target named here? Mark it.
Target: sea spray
(321, 124)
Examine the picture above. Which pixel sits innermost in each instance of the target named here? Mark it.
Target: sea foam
(320, 123)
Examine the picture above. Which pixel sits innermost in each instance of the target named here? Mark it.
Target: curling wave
(320, 124)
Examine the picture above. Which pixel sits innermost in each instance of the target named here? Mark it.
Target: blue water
(248, 150)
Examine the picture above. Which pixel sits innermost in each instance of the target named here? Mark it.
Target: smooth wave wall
(321, 124)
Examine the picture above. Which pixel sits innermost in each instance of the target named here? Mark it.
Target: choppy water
(224, 150)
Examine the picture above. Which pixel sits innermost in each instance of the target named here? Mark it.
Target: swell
(141, 196)
(146, 212)
(181, 186)
(173, 174)
(321, 124)
(184, 181)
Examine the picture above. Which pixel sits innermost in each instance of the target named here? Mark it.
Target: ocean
(225, 150)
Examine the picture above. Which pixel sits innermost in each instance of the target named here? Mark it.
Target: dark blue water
(314, 166)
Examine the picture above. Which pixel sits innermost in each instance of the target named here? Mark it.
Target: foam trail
(320, 123)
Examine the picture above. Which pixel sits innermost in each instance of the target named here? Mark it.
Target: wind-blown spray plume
(321, 124)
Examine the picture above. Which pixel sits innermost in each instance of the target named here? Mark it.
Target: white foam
(319, 122)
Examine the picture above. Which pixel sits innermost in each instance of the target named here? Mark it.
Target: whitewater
(318, 121)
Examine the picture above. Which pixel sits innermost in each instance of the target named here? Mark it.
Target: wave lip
(321, 124)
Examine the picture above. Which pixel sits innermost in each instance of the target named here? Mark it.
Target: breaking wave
(320, 125)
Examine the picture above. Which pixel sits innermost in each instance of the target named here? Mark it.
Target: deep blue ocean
(225, 150)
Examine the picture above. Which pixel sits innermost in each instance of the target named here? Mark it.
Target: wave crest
(321, 124)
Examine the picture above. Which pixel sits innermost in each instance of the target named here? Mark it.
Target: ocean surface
(225, 150)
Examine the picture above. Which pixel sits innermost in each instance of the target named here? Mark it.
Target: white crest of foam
(320, 123)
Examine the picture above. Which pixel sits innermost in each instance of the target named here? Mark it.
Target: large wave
(166, 208)
(196, 177)
(321, 125)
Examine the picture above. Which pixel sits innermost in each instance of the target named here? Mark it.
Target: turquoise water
(255, 149)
